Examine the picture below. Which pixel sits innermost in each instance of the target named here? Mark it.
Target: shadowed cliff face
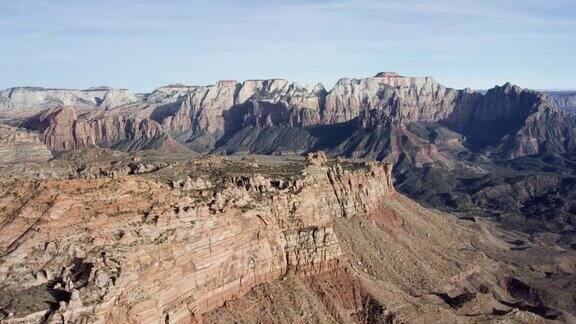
(226, 117)
(62, 129)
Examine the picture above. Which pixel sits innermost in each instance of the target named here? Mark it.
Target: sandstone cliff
(62, 129)
(277, 116)
(202, 239)
(230, 114)
(207, 113)
(168, 254)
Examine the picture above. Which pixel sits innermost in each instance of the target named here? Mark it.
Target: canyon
(438, 138)
(209, 239)
(383, 199)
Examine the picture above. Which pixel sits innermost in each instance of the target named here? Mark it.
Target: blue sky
(143, 44)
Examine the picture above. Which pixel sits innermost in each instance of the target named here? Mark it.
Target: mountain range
(278, 117)
(500, 152)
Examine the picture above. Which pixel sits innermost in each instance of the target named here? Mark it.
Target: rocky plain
(385, 199)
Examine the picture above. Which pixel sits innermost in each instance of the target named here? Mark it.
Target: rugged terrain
(505, 153)
(103, 236)
(367, 117)
(194, 203)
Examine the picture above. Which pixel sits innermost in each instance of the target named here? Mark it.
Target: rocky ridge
(250, 231)
(143, 246)
(256, 115)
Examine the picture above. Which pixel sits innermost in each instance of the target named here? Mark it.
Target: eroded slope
(125, 239)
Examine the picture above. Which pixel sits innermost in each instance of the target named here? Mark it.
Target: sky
(144, 44)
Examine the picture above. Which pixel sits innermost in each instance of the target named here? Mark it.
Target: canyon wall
(63, 129)
(277, 116)
(136, 250)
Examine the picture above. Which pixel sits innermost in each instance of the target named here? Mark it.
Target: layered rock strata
(136, 250)
(275, 116)
(62, 129)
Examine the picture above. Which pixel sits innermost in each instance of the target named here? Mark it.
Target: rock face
(230, 115)
(62, 129)
(407, 98)
(229, 107)
(169, 258)
(370, 117)
(138, 242)
(29, 97)
(208, 113)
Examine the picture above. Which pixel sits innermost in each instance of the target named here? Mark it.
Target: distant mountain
(41, 98)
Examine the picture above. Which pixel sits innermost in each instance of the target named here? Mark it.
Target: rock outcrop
(62, 129)
(208, 113)
(316, 158)
(161, 254)
(268, 242)
(230, 114)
